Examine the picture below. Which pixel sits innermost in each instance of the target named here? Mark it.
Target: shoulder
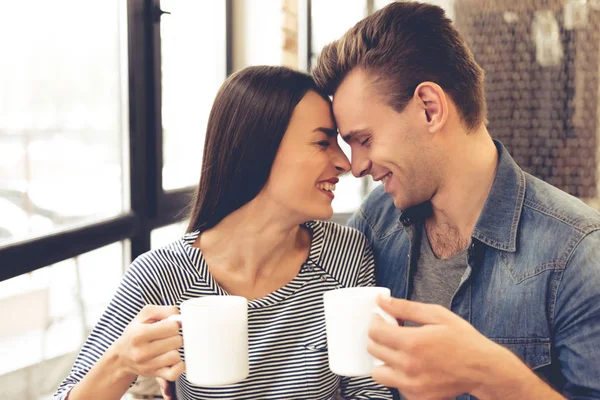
(557, 229)
(335, 237)
(559, 209)
(379, 213)
(165, 261)
(343, 252)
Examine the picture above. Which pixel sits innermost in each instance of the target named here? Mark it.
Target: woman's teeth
(330, 187)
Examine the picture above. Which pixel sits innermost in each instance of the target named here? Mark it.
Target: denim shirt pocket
(535, 352)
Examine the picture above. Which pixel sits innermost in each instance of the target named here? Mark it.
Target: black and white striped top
(287, 340)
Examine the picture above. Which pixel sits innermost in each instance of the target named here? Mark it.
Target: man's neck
(459, 201)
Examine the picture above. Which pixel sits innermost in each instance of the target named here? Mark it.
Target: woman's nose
(342, 164)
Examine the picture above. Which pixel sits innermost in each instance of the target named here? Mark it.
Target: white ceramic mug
(348, 315)
(215, 339)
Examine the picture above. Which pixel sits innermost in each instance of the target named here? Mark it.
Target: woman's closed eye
(324, 143)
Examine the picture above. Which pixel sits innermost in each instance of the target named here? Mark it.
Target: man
(510, 263)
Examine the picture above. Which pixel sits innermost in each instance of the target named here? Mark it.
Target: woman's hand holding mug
(150, 344)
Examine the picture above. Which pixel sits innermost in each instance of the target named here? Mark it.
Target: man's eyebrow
(347, 137)
(331, 132)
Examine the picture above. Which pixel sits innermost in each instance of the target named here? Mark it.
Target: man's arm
(577, 320)
(446, 357)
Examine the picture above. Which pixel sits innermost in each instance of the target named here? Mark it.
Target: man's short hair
(401, 46)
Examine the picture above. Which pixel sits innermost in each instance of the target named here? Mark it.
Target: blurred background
(103, 106)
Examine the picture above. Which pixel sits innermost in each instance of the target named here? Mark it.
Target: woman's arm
(146, 348)
(126, 342)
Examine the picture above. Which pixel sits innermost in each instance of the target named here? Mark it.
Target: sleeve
(577, 321)
(358, 388)
(122, 309)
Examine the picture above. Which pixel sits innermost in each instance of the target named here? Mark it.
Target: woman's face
(308, 161)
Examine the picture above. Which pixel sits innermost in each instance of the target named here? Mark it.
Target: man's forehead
(355, 87)
(351, 105)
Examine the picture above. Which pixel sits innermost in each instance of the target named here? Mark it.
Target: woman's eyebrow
(331, 132)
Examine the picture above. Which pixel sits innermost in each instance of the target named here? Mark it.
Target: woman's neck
(253, 241)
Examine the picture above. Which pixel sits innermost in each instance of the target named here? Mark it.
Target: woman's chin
(323, 214)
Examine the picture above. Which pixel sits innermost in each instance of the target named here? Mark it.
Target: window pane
(167, 234)
(63, 115)
(51, 312)
(331, 19)
(258, 33)
(193, 68)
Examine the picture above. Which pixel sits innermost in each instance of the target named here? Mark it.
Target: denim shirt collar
(497, 226)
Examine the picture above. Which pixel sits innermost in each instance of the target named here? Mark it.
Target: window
(193, 68)
(258, 33)
(79, 117)
(48, 313)
(63, 118)
(167, 234)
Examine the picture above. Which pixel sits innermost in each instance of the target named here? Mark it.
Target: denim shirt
(532, 282)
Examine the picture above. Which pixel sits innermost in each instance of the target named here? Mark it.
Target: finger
(388, 356)
(161, 346)
(385, 333)
(171, 373)
(161, 383)
(151, 313)
(166, 388)
(159, 330)
(389, 377)
(406, 310)
(165, 360)
(163, 387)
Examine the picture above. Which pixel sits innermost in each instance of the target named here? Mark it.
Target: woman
(271, 162)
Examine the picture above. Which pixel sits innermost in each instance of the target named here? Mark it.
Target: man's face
(392, 147)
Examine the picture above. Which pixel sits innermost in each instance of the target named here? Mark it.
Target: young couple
(494, 273)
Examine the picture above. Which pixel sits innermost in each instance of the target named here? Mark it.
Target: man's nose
(360, 166)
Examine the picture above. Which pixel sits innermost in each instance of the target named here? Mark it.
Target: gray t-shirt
(436, 280)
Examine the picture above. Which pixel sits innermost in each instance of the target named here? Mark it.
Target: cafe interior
(103, 108)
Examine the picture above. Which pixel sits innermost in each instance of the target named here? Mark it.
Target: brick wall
(546, 115)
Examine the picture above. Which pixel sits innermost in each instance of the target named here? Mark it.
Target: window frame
(151, 206)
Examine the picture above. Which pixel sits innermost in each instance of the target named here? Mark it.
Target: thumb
(165, 388)
(152, 313)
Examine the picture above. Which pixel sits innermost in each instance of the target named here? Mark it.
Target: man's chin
(403, 204)
(400, 204)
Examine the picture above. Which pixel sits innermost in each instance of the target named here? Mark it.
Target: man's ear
(432, 100)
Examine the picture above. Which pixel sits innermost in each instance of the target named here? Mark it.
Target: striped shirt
(287, 341)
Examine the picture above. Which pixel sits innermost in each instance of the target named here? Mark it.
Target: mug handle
(390, 320)
(386, 317)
